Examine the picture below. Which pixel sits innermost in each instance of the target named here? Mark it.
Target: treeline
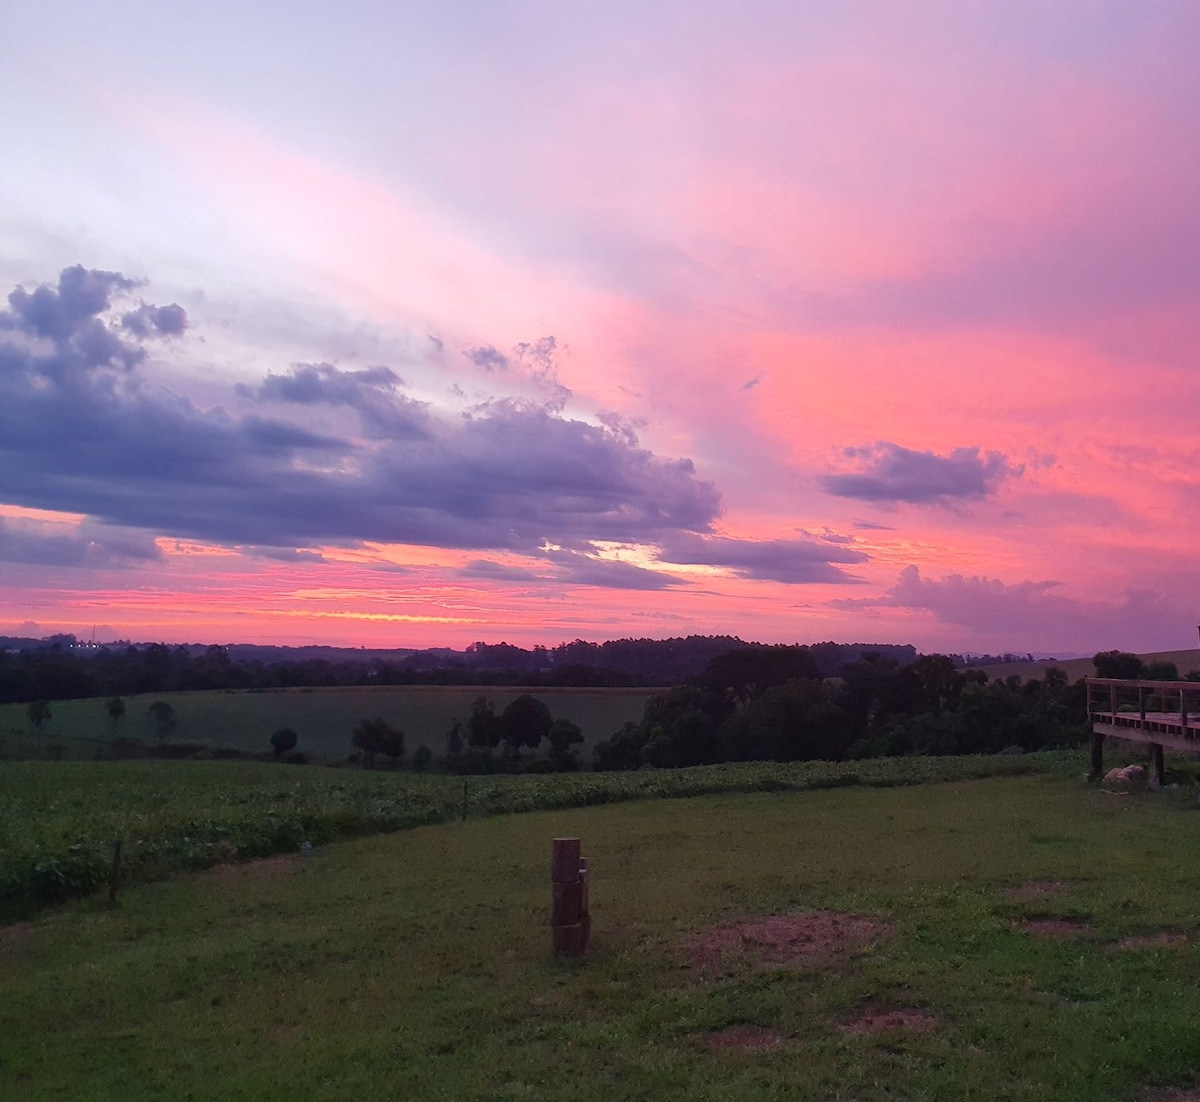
(772, 704)
(61, 670)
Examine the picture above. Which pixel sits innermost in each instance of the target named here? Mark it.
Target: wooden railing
(1156, 713)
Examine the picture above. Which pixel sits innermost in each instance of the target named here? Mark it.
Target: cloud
(580, 569)
(373, 392)
(889, 473)
(1022, 611)
(488, 357)
(83, 431)
(488, 570)
(162, 321)
(795, 561)
(56, 544)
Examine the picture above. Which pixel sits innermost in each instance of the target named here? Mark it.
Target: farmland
(322, 718)
(1024, 937)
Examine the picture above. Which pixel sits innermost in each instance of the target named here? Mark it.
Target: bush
(283, 740)
(376, 736)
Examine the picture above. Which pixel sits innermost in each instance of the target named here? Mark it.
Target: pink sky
(526, 322)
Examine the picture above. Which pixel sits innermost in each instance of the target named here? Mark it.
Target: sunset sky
(414, 324)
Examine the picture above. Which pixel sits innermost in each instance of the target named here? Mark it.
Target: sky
(416, 324)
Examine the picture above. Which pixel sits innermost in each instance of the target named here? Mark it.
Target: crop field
(1023, 937)
(59, 821)
(322, 718)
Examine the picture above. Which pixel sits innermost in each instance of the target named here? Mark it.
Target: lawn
(1025, 938)
(322, 718)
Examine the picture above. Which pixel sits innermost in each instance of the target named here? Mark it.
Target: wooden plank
(564, 860)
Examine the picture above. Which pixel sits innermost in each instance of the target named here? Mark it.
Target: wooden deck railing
(1156, 713)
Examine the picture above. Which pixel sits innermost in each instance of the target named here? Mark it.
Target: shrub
(283, 740)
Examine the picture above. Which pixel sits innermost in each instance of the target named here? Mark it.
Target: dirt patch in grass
(1033, 890)
(1054, 926)
(15, 933)
(263, 867)
(905, 1019)
(1170, 1094)
(782, 939)
(1158, 939)
(753, 1038)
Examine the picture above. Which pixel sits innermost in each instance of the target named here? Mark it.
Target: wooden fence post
(568, 880)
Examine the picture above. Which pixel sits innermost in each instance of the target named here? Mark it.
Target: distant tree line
(772, 703)
(60, 670)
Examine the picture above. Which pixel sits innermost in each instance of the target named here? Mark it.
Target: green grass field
(322, 718)
(416, 965)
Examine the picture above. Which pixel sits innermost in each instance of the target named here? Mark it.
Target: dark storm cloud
(795, 561)
(83, 430)
(889, 473)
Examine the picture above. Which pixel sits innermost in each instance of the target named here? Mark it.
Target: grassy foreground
(59, 821)
(417, 966)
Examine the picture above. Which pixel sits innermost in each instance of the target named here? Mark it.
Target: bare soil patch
(262, 867)
(1170, 1094)
(14, 933)
(906, 1019)
(1033, 890)
(1052, 926)
(1159, 939)
(753, 1038)
(782, 939)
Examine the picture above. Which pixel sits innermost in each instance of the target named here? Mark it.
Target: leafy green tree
(115, 707)
(39, 713)
(1119, 664)
(377, 736)
(483, 725)
(164, 719)
(422, 758)
(563, 736)
(525, 722)
(1160, 671)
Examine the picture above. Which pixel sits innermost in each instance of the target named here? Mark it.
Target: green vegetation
(323, 719)
(58, 821)
(417, 966)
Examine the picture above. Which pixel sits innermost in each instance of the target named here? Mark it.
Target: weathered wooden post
(114, 874)
(569, 931)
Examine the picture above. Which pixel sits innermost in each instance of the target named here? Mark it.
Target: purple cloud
(795, 561)
(488, 357)
(508, 476)
(889, 473)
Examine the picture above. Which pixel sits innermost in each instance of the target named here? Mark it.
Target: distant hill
(1076, 668)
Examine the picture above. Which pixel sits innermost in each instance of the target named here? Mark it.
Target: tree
(283, 740)
(39, 713)
(1118, 664)
(563, 735)
(164, 719)
(483, 725)
(422, 758)
(115, 707)
(525, 722)
(377, 736)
